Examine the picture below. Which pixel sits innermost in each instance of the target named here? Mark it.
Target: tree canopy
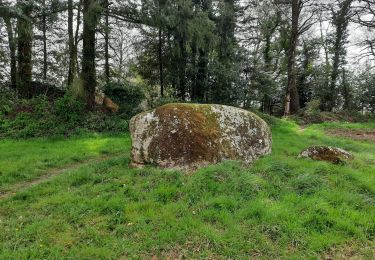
(274, 55)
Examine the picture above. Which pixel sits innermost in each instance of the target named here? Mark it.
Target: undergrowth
(39, 117)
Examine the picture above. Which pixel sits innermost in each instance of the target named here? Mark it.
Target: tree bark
(89, 52)
(106, 38)
(341, 23)
(160, 56)
(45, 54)
(25, 38)
(182, 69)
(346, 93)
(267, 57)
(12, 50)
(72, 57)
(292, 99)
(76, 37)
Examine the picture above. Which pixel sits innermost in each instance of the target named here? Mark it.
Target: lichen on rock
(191, 136)
(326, 153)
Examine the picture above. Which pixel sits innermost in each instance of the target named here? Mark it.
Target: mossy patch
(192, 135)
(327, 153)
(187, 134)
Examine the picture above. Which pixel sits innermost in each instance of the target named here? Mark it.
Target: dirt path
(355, 134)
(301, 129)
(50, 175)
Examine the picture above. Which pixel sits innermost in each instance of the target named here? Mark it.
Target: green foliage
(102, 123)
(197, 50)
(366, 91)
(157, 102)
(92, 14)
(38, 117)
(129, 97)
(76, 90)
(29, 118)
(313, 107)
(325, 117)
(69, 110)
(7, 101)
(272, 121)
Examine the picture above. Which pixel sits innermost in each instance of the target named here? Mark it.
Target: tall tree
(308, 55)
(226, 25)
(297, 28)
(106, 45)
(292, 104)
(340, 21)
(44, 30)
(72, 48)
(161, 4)
(91, 16)
(12, 50)
(202, 47)
(269, 27)
(25, 39)
(365, 16)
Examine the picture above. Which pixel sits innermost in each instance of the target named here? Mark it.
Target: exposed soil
(360, 135)
(324, 117)
(349, 251)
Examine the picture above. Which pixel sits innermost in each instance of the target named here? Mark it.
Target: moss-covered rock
(326, 153)
(191, 136)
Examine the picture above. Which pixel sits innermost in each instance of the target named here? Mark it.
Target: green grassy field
(281, 207)
(28, 159)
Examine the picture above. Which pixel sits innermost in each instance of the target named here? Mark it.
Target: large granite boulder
(326, 153)
(187, 136)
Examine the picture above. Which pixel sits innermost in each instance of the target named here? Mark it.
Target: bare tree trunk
(324, 43)
(182, 69)
(25, 38)
(346, 92)
(76, 37)
(292, 98)
(72, 59)
(12, 50)
(90, 17)
(267, 100)
(160, 53)
(106, 38)
(44, 28)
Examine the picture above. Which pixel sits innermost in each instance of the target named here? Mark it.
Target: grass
(22, 160)
(281, 207)
(347, 125)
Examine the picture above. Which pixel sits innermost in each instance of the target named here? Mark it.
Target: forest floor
(77, 198)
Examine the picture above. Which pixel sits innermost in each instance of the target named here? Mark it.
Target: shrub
(99, 122)
(28, 118)
(69, 110)
(8, 98)
(272, 121)
(160, 101)
(128, 97)
(39, 117)
(313, 107)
